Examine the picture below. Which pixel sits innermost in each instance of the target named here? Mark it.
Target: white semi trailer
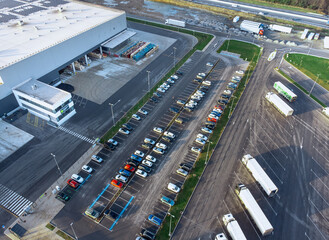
(280, 28)
(233, 227)
(254, 210)
(175, 22)
(279, 104)
(326, 111)
(253, 27)
(260, 175)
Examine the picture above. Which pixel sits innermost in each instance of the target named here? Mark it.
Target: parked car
(204, 88)
(212, 120)
(196, 150)
(128, 127)
(157, 221)
(139, 153)
(202, 74)
(174, 188)
(142, 111)
(151, 158)
(182, 172)
(169, 134)
(161, 145)
(77, 178)
(189, 109)
(167, 139)
(149, 140)
(200, 141)
(209, 64)
(72, 183)
(219, 107)
(132, 162)
(129, 168)
(136, 158)
(222, 102)
(125, 172)
(179, 120)
(116, 183)
(224, 96)
(147, 234)
(153, 99)
(210, 126)
(121, 178)
(160, 89)
(206, 130)
(147, 145)
(87, 169)
(174, 77)
(157, 94)
(169, 80)
(180, 102)
(197, 80)
(136, 117)
(112, 141)
(147, 163)
(158, 150)
(179, 73)
(145, 168)
(167, 201)
(63, 197)
(96, 158)
(207, 83)
(124, 131)
(90, 212)
(203, 137)
(158, 130)
(141, 173)
(186, 167)
(109, 145)
(173, 110)
(240, 72)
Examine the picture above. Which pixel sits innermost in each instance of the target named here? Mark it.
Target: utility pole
(148, 79)
(73, 231)
(174, 56)
(314, 84)
(112, 105)
(171, 216)
(207, 153)
(54, 156)
(232, 105)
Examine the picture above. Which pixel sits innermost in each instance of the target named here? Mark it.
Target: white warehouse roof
(45, 27)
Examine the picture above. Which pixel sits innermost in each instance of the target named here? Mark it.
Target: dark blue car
(125, 173)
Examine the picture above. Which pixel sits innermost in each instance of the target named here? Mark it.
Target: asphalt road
(33, 164)
(303, 18)
(291, 150)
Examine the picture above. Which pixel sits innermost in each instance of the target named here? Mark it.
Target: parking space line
(117, 204)
(99, 196)
(132, 188)
(124, 209)
(181, 182)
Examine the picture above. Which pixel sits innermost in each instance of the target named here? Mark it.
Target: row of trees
(320, 5)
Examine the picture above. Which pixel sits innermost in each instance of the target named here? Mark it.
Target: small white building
(45, 101)
(326, 42)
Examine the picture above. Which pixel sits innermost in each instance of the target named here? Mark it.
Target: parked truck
(284, 91)
(233, 227)
(325, 111)
(175, 22)
(279, 104)
(254, 210)
(260, 175)
(280, 28)
(253, 27)
(304, 34)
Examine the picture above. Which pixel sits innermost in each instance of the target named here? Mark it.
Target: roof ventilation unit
(34, 87)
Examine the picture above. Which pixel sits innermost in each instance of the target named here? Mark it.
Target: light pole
(171, 216)
(148, 79)
(174, 56)
(207, 153)
(228, 43)
(232, 105)
(112, 105)
(73, 231)
(54, 156)
(314, 84)
(309, 50)
(283, 58)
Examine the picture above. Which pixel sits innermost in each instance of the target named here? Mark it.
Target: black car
(197, 80)
(185, 166)
(167, 139)
(111, 215)
(132, 162)
(211, 127)
(222, 102)
(144, 168)
(188, 109)
(147, 235)
(224, 96)
(128, 127)
(153, 99)
(109, 145)
(204, 88)
(157, 94)
(63, 197)
(180, 73)
(173, 110)
(147, 145)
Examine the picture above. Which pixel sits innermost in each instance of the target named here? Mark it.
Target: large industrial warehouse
(39, 39)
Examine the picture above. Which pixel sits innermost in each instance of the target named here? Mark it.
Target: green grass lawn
(312, 67)
(252, 52)
(246, 50)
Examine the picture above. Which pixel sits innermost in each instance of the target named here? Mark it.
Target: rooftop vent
(34, 87)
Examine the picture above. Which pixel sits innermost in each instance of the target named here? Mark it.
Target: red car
(219, 107)
(72, 183)
(116, 183)
(129, 168)
(212, 119)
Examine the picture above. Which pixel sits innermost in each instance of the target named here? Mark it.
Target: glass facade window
(36, 104)
(65, 113)
(63, 105)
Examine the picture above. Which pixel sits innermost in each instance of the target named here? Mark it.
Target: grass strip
(300, 87)
(203, 40)
(50, 227)
(193, 178)
(63, 235)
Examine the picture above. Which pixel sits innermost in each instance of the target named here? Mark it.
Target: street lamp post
(54, 156)
(148, 79)
(228, 43)
(174, 56)
(171, 216)
(207, 152)
(314, 84)
(232, 105)
(73, 231)
(112, 105)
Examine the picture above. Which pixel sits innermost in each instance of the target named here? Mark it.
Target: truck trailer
(325, 111)
(253, 27)
(259, 175)
(279, 104)
(254, 210)
(233, 227)
(304, 34)
(175, 22)
(279, 28)
(284, 91)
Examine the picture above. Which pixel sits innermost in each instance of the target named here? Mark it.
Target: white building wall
(46, 61)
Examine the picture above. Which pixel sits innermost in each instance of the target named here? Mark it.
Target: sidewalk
(47, 206)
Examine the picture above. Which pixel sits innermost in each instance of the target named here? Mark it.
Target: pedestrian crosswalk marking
(12, 201)
(92, 141)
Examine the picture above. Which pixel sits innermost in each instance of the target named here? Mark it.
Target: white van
(173, 187)
(220, 236)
